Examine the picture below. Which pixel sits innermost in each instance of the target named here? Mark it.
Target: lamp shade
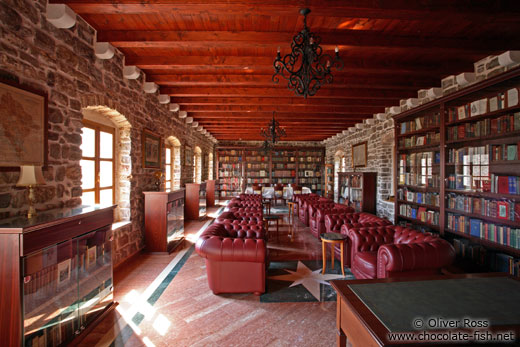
(30, 176)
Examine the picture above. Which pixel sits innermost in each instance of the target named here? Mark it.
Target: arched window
(172, 163)
(197, 165)
(210, 166)
(105, 161)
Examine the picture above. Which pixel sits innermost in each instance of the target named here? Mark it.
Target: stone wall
(380, 145)
(61, 63)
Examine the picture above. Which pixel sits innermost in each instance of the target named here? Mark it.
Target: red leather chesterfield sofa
(299, 199)
(394, 251)
(317, 213)
(257, 197)
(236, 258)
(244, 203)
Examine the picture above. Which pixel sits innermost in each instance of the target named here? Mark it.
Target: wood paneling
(221, 52)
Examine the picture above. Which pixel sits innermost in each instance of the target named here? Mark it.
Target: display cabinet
(230, 172)
(358, 190)
(210, 193)
(163, 220)
(195, 208)
(56, 275)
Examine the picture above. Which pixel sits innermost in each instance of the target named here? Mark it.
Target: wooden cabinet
(163, 220)
(195, 201)
(358, 190)
(210, 193)
(56, 275)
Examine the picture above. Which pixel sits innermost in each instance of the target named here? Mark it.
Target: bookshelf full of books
(329, 181)
(239, 167)
(230, 172)
(466, 180)
(358, 190)
(58, 268)
(310, 167)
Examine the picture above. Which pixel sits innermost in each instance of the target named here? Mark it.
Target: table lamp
(30, 176)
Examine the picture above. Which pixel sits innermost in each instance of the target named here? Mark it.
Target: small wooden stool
(290, 204)
(332, 239)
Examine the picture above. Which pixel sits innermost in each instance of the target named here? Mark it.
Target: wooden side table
(290, 204)
(267, 219)
(332, 239)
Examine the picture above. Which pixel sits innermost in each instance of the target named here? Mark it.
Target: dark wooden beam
(293, 101)
(322, 109)
(350, 38)
(396, 9)
(283, 92)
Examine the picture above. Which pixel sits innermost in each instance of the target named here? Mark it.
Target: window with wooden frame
(168, 177)
(97, 164)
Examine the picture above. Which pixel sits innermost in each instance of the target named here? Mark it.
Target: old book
(512, 97)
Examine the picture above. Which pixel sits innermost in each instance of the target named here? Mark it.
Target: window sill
(119, 225)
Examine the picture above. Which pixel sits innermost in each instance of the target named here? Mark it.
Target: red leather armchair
(257, 197)
(317, 213)
(334, 222)
(244, 203)
(236, 258)
(303, 210)
(248, 217)
(394, 251)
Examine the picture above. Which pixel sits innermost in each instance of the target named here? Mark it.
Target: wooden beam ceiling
(215, 58)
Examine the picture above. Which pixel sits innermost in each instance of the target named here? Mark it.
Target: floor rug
(301, 281)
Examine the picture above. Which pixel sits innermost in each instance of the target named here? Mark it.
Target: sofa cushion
(366, 263)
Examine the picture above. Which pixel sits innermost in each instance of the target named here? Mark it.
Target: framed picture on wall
(188, 156)
(23, 126)
(359, 155)
(151, 150)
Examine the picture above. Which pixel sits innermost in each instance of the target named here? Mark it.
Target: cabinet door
(94, 273)
(175, 223)
(50, 295)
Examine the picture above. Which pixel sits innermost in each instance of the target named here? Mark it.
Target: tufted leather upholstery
(235, 256)
(334, 222)
(303, 211)
(247, 217)
(246, 210)
(400, 252)
(243, 203)
(257, 197)
(317, 213)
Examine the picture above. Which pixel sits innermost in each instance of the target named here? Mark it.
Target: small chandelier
(272, 133)
(306, 69)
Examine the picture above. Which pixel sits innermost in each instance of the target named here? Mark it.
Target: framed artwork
(151, 150)
(188, 156)
(23, 126)
(91, 256)
(359, 154)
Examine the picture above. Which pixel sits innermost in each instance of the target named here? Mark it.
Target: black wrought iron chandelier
(272, 134)
(306, 69)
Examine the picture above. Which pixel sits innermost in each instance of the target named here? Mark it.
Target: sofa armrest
(218, 248)
(414, 256)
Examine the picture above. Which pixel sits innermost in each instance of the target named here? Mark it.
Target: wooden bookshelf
(239, 167)
(475, 167)
(358, 189)
(329, 181)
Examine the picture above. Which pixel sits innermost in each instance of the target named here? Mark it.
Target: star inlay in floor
(307, 282)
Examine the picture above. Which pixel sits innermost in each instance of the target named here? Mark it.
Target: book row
(422, 214)
(420, 159)
(504, 209)
(264, 166)
(431, 138)
(418, 197)
(493, 261)
(419, 123)
(500, 234)
(487, 127)
(420, 180)
(500, 101)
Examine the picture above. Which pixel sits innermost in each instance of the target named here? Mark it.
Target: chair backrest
(278, 187)
(297, 189)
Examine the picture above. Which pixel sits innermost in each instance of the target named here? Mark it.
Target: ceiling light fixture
(306, 69)
(272, 133)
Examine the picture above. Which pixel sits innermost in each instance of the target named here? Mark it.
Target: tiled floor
(156, 310)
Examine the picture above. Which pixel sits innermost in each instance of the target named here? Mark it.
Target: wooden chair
(257, 189)
(278, 193)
